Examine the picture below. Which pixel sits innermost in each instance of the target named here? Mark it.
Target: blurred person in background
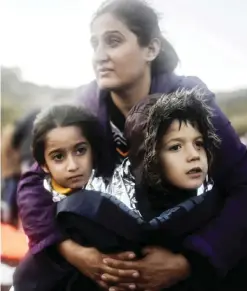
(22, 138)
(17, 158)
(10, 176)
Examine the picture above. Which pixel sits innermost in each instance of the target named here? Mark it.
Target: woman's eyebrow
(93, 37)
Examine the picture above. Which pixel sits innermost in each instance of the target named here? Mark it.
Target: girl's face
(183, 156)
(68, 156)
(118, 59)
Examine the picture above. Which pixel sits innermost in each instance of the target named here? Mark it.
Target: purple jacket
(223, 242)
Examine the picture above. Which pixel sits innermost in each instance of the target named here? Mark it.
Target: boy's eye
(175, 147)
(58, 157)
(81, 151)
(199, 143)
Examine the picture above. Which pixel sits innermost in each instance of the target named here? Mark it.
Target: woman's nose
(100, 54)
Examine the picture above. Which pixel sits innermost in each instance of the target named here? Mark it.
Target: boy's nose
(192, 154)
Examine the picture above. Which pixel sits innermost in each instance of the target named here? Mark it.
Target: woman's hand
(159, 269)
(89, 261)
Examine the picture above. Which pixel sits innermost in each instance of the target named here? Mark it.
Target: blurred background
(46, 56)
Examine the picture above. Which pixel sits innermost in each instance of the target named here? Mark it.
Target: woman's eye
(81, 151)
(113, 41)
(175, 147)
(58, 157)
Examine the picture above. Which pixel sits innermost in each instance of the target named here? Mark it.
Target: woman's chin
(108, 84)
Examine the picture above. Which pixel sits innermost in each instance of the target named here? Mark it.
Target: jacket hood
(135, 131)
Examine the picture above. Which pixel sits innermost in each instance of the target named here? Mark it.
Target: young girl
(68, 143)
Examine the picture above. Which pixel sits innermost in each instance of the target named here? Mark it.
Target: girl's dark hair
(187, 106)
(142, 20)
(69, 115)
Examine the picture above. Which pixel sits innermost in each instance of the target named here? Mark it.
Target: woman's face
(118, 60)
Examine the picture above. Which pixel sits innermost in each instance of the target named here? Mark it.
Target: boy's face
(68, 156)
(183, 156)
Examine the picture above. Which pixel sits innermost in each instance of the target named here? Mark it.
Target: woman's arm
(37, 211)
(87, 260)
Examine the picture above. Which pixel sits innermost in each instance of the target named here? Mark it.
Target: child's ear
(45, 169)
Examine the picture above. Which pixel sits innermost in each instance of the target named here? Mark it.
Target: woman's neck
(125, 99)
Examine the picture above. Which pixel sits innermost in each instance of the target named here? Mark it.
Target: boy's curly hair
(184, 105)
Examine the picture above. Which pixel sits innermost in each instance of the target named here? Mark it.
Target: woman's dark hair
(69, 115)
(142, 20)
(188, 106)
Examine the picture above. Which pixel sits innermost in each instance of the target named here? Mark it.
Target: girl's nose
(72, 165)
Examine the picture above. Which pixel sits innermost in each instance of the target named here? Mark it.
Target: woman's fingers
(123, 287)
(110, 279)
(102, 284)
(121, 273)
(118, 264)
(125, 256)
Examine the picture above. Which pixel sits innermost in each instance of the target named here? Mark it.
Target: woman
(131, 60)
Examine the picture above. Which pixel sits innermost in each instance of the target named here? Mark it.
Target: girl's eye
(175, 148)
(58, 157)
(81, 151)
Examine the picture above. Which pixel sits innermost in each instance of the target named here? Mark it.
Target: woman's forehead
(108, 23)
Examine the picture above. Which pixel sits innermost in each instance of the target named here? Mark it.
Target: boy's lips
(195, 170)
(195, 173)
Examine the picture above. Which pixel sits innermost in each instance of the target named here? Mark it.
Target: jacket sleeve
(37, 211)
(223, 241)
